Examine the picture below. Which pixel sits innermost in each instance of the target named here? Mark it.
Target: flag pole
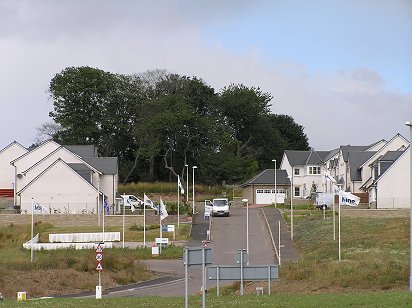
(333, 212)
(124, 215)
(144, 222)
(104, 213)
(161, 231)
(32, 230)
(339, 227)
(178, 201)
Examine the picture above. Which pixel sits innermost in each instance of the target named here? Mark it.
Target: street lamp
(187, 182)
(276, 194)
(193, 195)
(247, 224)
(409, 123)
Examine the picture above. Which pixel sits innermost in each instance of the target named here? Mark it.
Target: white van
(220, 207)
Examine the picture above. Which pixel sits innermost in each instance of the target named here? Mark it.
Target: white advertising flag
(38, 208)
(329, 177)
(182, 190)
(148, 202)
(346, 198)
(163, 212)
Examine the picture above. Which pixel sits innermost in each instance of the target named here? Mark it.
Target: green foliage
(157, 122)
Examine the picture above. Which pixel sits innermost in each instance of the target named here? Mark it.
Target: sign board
(99, 248)
(162, 240)
(170, 228)
(155, 251)
(194, 255)
(250, 272)
(164, 228)
(245, 258)
(99, 267)
(99, 257)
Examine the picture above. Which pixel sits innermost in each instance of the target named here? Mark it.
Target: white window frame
(296, 189)
(314, 170)
(296, 172)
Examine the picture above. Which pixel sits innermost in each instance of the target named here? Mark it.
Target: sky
(342, 69)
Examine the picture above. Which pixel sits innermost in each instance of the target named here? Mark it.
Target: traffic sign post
(247, 272)
(197, 256)
(99, 268)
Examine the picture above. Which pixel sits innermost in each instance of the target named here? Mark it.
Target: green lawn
(379, 299)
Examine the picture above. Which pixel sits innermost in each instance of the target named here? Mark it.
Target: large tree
(157, 122)
(95, 107)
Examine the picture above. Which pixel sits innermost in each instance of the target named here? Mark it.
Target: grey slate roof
(82, 170)
(346, 149)
(106, 165)
(356, 159)
(83, 150)
(303, 158)
(391, 155)
(268, 177)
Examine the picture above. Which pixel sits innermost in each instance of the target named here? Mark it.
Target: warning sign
(99, 249)
(99, 267)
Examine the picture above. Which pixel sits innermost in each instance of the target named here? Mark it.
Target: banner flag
(148, 202)
(38, 208)
(179, 183)
(106, 205)
(329, 177)
(162, 210)
(346, 198)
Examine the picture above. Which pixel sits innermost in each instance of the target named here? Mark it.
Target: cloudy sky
(342, 69)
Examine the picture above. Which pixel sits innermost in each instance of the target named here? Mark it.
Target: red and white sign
(99, 257)
(99, 249)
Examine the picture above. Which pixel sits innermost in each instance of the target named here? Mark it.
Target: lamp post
(409, 124)
(193, 195)
(291, 204)
(276, 194)
(187, 182)
(247, 224)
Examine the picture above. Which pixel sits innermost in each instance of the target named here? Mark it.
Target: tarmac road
(228, 236)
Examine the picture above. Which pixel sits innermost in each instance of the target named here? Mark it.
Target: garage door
(267, 196)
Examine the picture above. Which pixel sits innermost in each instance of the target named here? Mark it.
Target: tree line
(156, 122)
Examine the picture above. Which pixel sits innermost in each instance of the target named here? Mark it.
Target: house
(79, 166)
(306, 170)
(261, 188)
(396, 143)
(390, 185)
(7, 176)
(59, 189)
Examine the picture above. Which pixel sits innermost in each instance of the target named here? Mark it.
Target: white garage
(260, 189)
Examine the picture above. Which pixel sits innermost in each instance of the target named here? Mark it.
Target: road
(228, 236)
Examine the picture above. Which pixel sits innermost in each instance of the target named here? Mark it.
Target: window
(314, 170)
(296, 171)
(297, 192)
(259, 191)
(267, 191)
